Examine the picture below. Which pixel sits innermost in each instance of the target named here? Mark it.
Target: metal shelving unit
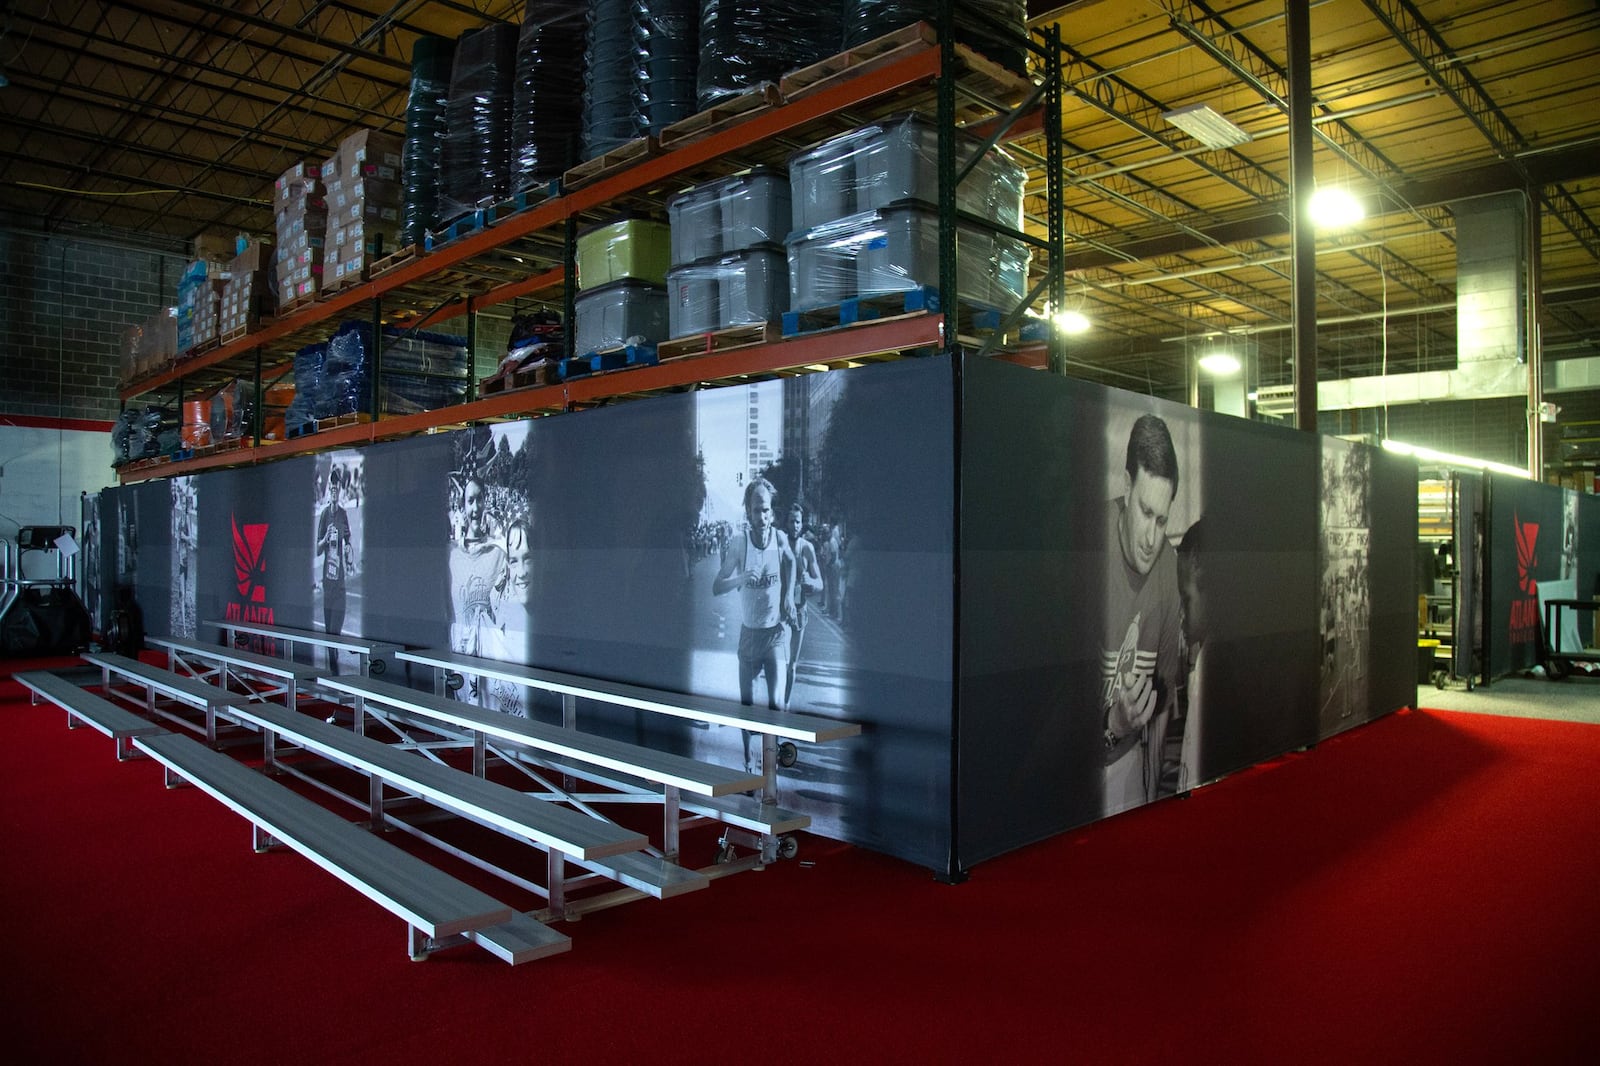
(528, 253)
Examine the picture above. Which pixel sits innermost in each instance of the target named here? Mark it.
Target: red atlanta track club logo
(249, 572)
(1525, 608)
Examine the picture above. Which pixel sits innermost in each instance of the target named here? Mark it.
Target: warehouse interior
(153, 124)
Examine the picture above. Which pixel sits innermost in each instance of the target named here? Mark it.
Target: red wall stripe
(83, 425)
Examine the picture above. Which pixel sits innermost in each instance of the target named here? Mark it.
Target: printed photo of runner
(185, 555)
(337, 551)
(490, 560)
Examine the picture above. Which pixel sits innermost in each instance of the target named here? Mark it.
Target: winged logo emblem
(249, 569)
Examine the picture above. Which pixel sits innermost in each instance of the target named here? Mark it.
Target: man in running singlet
(760, 564)
(806, 587)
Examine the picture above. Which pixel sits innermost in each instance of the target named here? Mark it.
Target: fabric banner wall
(1543, 543)
(648, 543)
(1154, 596)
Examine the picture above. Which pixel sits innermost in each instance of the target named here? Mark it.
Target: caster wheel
(240, 642)
(1438, 679)
(725, 854)
(788, 847)
(376, 667)
(788, 754)
(1471, 684)
(453, 682)
(1556, 669)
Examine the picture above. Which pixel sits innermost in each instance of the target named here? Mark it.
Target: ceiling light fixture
(1220, 364)
(1072, 322)
(1206, 126)
(1428, 455)
(1333, 208)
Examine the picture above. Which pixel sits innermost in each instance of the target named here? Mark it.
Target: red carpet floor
(1425, 889)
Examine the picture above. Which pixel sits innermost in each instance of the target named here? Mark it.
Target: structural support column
(1302, 181)
(1533, 278)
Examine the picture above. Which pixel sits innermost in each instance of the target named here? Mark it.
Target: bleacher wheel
(788, 754)
(788, 847)
(725, 853)
(377, 667)
(453, 682)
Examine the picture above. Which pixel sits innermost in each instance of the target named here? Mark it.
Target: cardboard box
(371, 153)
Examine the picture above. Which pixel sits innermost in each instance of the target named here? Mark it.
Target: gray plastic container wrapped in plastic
(896, 249)
(730, 215)
(695, 217)
(623, 312)
(894, 160)
(693, 305)
(744, 288)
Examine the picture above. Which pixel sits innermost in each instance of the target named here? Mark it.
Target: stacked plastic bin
(431, 60)
(866, 221)
(475, 160)
(992, 28)
(729, 266)
(622, 295)
(744, 43)
(546, 117)
(642, 65)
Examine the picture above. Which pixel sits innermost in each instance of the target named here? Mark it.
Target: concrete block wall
(64, 304)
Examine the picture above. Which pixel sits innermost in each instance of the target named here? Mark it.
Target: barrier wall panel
(1134, 627)
(593, 544)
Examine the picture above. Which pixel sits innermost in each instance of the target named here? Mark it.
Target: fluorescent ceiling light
(1220, 364)
(1071, 322)
(1428, 455)
(1206, 126)
(1333, 207)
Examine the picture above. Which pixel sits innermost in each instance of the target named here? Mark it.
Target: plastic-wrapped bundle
(475, 160)
(867, 19)
(232, 411)
(643, 60)
(424, 353)
(431, 61)
(418, 371)
(896, 249)
(345, 372)
(409, 394)
(121, 433)
(546, 116)
(746, 42)
(307, 385)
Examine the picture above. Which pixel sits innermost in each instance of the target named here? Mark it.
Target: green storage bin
(638, 249)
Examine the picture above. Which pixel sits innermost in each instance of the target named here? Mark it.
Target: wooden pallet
(236, 333)
(990, 79)
(721, 340)
(733, 111)
(879, 52)
(511, 381)
(619, 158)
(519, 202)
(202, 348)
(397, 258)
(299, 303)
(232, 445)
(340, 284)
